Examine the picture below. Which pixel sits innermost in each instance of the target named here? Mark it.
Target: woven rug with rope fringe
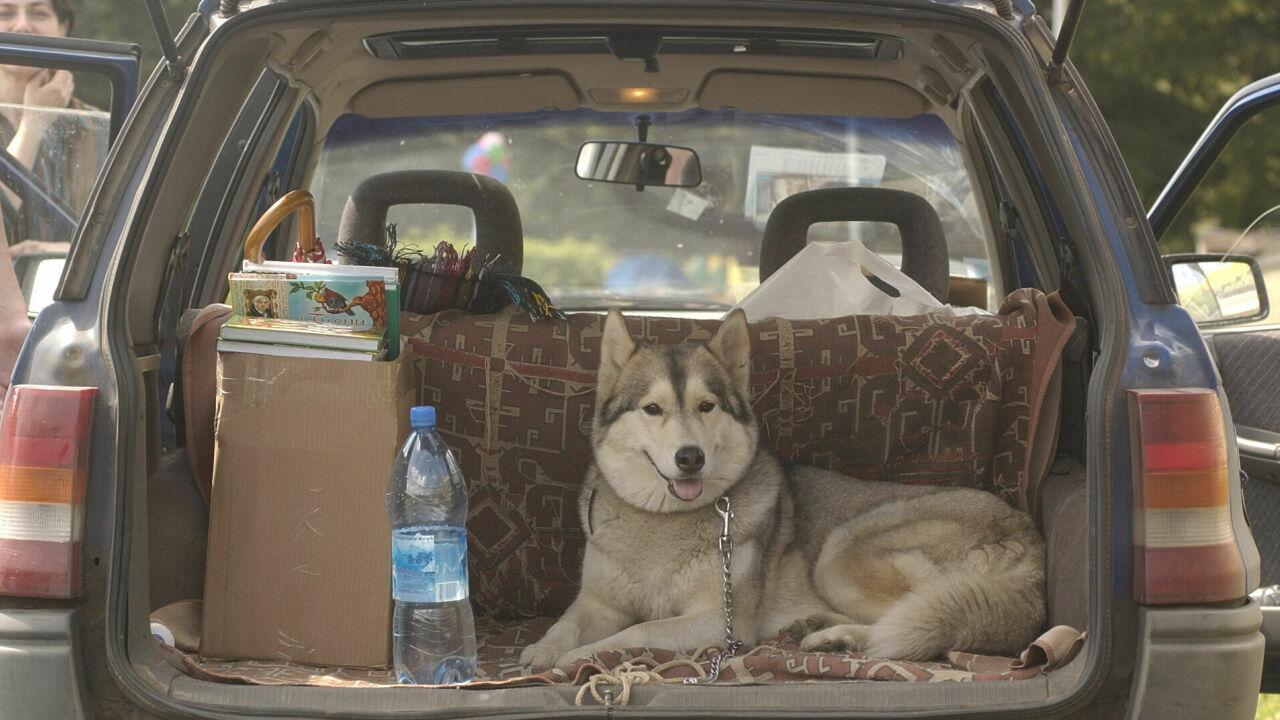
(774, 660)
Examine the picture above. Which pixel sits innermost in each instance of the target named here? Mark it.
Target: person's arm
(38, 247)
(49, 88)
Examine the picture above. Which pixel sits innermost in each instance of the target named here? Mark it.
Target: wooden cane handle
(299, 201)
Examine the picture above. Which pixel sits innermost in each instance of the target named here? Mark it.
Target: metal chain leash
(732, 646)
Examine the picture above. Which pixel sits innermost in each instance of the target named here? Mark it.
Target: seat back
(924, 247)
(199, 381)
(498, 229)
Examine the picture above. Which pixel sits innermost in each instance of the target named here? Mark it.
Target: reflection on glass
(1217, 290)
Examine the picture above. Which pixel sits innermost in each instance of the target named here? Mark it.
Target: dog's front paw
(802, 627)
(837, 638)
(542, 654)
(568, 658)
(806, 626)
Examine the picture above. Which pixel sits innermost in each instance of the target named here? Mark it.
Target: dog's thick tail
(998, 612)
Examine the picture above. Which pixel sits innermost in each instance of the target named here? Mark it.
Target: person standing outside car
(41, 130)
(42, 123)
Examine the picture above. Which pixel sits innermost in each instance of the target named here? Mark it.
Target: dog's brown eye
(652, 409)
(706, 406)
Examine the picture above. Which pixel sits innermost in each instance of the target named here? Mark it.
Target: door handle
(1257, 448)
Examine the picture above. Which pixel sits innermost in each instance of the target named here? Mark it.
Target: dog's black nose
(690, 458)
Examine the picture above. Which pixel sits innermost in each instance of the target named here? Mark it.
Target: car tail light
(1184, 543)
(44, 449)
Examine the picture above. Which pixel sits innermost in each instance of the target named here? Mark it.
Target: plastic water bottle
(433, 630)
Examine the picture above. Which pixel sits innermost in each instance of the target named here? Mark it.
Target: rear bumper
(1191, 663)
(1198, 663)
(40, 661)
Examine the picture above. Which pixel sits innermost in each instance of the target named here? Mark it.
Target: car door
(43, 196)
(1232, 308)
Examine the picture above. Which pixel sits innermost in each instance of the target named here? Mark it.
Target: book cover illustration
(351, 302)
(288, 331)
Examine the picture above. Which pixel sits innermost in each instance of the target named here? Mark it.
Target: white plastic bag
(826, 279)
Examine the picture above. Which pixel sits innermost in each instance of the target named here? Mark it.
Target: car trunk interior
(457, 62)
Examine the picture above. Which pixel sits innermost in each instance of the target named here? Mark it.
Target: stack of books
(345, 312)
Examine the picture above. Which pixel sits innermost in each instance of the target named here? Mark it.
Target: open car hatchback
(1016, 331)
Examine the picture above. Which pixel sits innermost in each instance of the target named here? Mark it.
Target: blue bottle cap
(422, 416)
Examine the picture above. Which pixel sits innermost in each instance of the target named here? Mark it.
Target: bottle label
(429, 564)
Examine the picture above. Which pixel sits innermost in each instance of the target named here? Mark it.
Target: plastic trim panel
(1198, 663)
(40, 659)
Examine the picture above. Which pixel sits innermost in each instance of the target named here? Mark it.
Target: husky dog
(896, 571)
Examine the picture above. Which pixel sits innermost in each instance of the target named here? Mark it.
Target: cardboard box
(298, 565)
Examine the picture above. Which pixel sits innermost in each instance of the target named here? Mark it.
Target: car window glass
(61, 170)
(51, 152)
(594, 244)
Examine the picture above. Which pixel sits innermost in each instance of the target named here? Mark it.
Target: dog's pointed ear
(732, 347)
(616, 346)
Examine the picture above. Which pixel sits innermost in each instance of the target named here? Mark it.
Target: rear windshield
(593, 245)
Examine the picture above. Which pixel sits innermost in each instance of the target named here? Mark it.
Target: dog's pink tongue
(687, 489)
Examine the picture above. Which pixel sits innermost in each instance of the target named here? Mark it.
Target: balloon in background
(489, 156)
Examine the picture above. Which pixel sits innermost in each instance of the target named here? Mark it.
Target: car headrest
(498, 229)
(924, 247)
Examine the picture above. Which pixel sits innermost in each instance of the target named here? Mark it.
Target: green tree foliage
(1160, 70)
(124, 21)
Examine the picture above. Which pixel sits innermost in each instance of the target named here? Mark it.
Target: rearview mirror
(1219, 289)
(638, 163)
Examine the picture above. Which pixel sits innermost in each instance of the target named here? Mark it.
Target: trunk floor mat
(774, 660)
